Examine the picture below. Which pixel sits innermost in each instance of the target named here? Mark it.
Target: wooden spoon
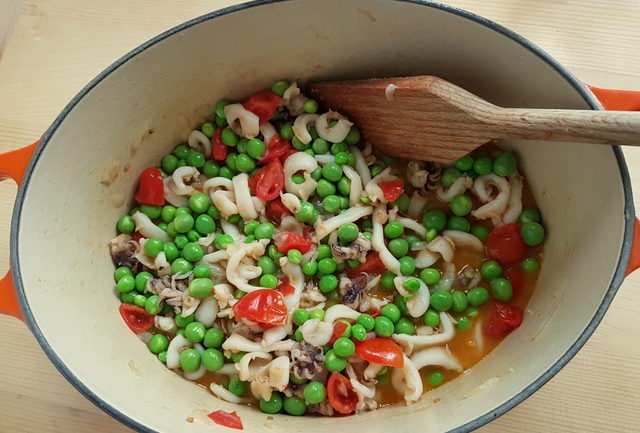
(430, 119)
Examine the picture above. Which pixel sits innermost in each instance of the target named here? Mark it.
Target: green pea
(460, 301)
(465, 163)
(324, 252)
(297, 335)
(449, 176)
(213, 212)
(201, 271)
(332, 172)
(126, 225)
(530, 264)
(226, 172)
(328, 283)
(269, 281)
(264, 231)
(192, 252)
(504, 165)
(402, 304)
(182, 321)
(344, 347)
(229, 137)
(344, 186)
(220, 106)
(314, 393)
(190, 360)
(490, 270)
(273, 405)
(399, 247)
(483, 165)
(310, 268)
(169, 163)
(327, 266)
(478, 296)
(200, 287)
(353, 136)
(255, 148)
(212, 359)
(480, 232)
(472, 312)
(532, 233)
(333, 362)
(208, 129)
(317, 314)
(126, 284)
(152, 305)
(407, 265)
(358, 332)
(441, 300)
(529, 215)
(348, 232)
(461, 205)
(193, 235)
(151, 211)
(366, 321)
(294, 406)
(141, 280)
(411, 239)
(286, 131)
(121, 272)
(458, 223)
(387, 280)
(384, 326)
(300, 316)
(310, 106)
(211, 168)
(431, 318)
(353, 263)
(222, 241)
(306, 212)
(298, 144)
(236, 357)
(279, 87)
(431, 234)
(404, 326)
(183, 222)
(194, 332)
(412, 284)
(168, 213)
(158, 343)
(181, 266)
(213, 338)
(339, 147)
(294, 256)
(244, 163)
(331, 203)
(403, 203)
(195, 159)
(436, 378)
(205, 224)
(273, 252)
(320, 146)
(375, 170)
(238, 387)
(434, 219)
(430, 276)
(163, 226)
(267, 265)
(501, 289)
(341, 158)
(463, 323)
(325, 188)
(393, 230)
(391, 311)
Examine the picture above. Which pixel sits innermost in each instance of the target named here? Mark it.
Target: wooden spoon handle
(605, 127)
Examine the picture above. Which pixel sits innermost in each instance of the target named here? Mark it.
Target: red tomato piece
(151, 188)
(392, 189)
(136, 236)
(340, 394)
(289, 241)
(263, 104)
(276, 211)
(504, 319)
(265, 307)
(226, 419)
(219, 150)
(338, 331)
(505, 245)
(285, 288)
(516, 278)
(277, 148)
(307, 233)
(268, 182)
(373, 265)
(383, 351)
(136, 318)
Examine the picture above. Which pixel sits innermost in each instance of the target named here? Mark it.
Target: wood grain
(59, 46)
(429, 118)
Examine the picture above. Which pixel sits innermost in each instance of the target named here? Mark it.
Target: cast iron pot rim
(629, 212)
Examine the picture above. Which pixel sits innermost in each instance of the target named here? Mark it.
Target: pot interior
(148, 103)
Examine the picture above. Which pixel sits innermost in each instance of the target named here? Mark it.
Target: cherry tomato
(268, 182)
(277, 148)
(338, 331)
(340, 394)
(219, 150)
(265, 307)
(136, 318)
(504, 319)
(263, 104)
(383, 351)
(151, 188)
(392, 189)
(289, 241)
(505, 244)
(226, 419)
(516, 278)
(373, 265)
(276, 211)
(285, 288)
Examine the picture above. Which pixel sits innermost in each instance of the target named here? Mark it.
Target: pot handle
(12, 166)
(623, 100)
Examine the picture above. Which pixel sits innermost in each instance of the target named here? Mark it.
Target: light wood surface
(58, 46)
(429, 118)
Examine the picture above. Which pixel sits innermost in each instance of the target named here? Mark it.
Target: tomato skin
(392, 189)
(268, 182)
(284, 287)
(219, 150)
(504, 319)
(265, 307)
(516, 278)
(226, 419)
(373, 265)
(277, 149)
(338, 331)
(336, 385)
(276, 211)
(505, 244)
(289, 241)
(151, 188)
(380, 350)
(136, 318)
(263, 104)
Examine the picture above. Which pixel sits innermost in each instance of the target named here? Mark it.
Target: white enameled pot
(148, 101)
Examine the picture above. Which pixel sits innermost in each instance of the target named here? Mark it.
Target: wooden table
(57, 47)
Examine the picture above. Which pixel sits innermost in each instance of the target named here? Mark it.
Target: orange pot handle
(12, 166)
(623, 100)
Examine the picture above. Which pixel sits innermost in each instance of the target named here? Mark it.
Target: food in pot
(278, 260)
